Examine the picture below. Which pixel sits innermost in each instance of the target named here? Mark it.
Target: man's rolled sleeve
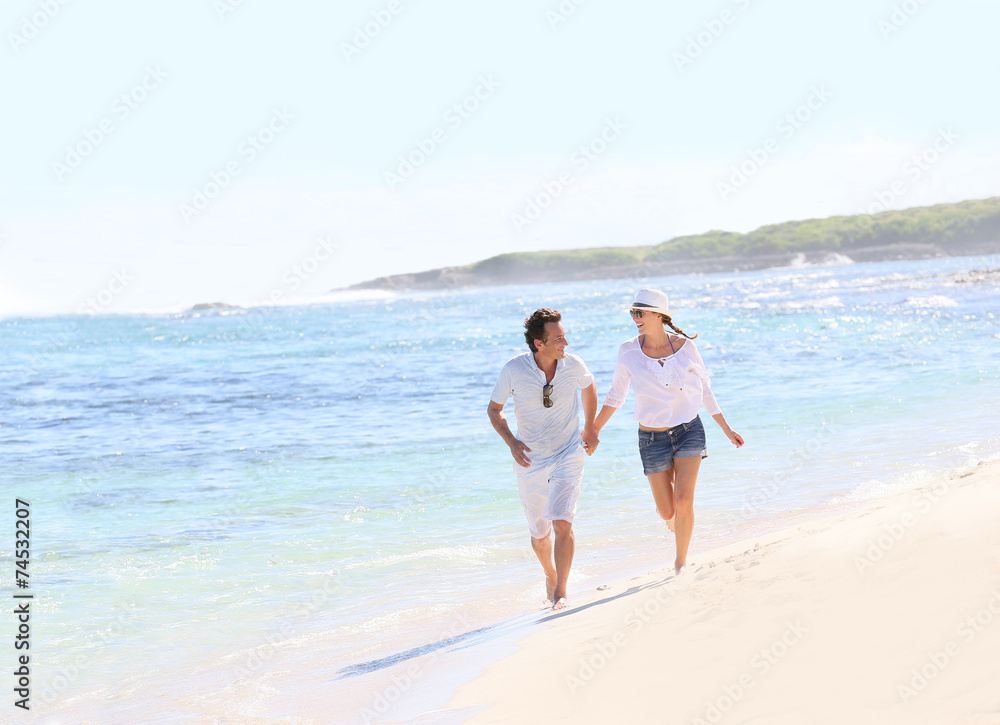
(584, 378)
(503, 388)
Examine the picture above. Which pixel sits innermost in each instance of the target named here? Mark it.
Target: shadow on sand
(491, 633)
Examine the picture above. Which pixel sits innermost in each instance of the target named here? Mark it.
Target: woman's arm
(708, 397)
(699, 369)
(603, 417)
(619, 389)
(732, 435)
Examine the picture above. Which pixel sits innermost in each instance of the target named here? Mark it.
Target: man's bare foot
(550, 587)
(560, 603)
(670, 523)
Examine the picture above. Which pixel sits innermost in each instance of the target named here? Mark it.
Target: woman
(670, 384)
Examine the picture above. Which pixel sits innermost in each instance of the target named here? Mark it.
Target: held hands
(518, 449)
(590, 440)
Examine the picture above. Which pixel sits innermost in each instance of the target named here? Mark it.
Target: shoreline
(845, 586)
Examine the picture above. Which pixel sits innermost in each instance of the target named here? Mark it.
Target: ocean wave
(467, 552)
(357, 295)
(831, 259)
(920, 476)
(932, 302)
(819, 304)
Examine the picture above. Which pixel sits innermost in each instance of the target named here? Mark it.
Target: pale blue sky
(213, 81)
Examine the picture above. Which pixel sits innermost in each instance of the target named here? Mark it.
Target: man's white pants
(549, 490)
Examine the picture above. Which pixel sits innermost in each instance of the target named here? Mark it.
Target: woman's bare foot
(670, 523)
(679, 569)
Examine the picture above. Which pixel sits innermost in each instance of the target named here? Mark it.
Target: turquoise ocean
(241, 516)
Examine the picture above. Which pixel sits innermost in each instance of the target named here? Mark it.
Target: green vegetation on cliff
(942, 225)
(507, 265)
(968, 227)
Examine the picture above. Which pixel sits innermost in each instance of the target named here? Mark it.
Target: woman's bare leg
(685, 478)
(662, 486)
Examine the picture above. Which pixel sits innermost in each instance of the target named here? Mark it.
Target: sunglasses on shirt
(546, 392)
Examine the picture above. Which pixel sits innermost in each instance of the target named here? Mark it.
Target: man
(544, 384)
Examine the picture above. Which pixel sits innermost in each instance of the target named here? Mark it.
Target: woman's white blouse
(668, 390)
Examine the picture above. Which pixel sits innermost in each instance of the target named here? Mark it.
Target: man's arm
(589, 434)
(499, 421)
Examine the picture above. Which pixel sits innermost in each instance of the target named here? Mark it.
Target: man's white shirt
(549, 432)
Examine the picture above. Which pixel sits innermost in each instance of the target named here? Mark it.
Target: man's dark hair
(534, 326)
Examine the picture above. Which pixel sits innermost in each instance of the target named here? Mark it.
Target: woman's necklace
(662, 359)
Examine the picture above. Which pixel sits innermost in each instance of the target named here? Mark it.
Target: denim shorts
(658, 449)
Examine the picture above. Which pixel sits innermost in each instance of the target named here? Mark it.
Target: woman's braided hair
(667, 322)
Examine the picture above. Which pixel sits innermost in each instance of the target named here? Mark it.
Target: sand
(887, 614)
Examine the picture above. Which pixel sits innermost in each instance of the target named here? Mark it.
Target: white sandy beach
(889, 614)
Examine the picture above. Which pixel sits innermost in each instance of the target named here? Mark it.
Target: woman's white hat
(653, 300)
